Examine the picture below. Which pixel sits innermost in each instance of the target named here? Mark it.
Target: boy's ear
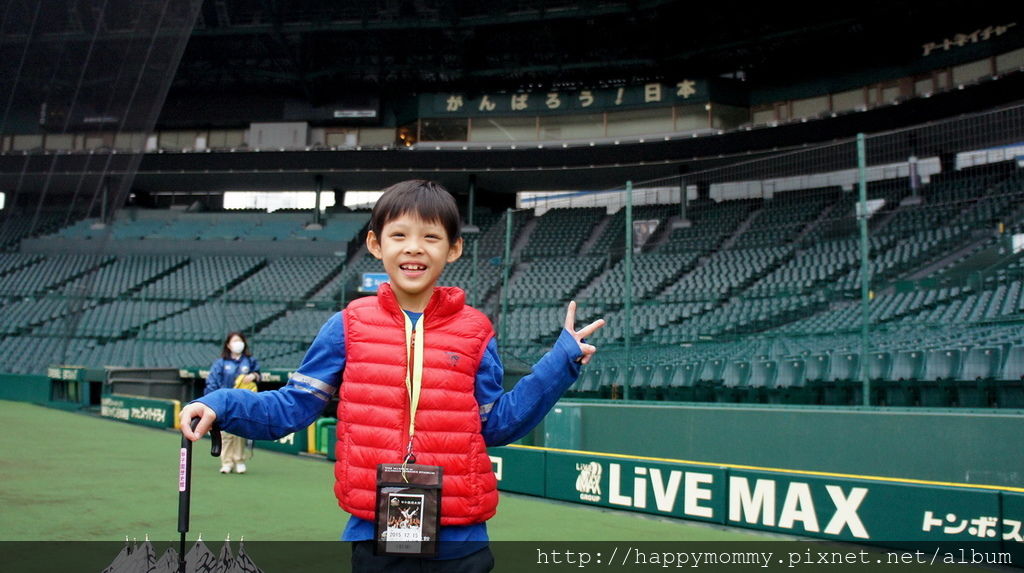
(455, 251)
(373, 245)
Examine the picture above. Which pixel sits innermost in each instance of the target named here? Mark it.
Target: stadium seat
(735, 382)
(611, 383)
(658, 381)
(637, 381)
(845, 373)
(1009, 390)
(708, 379)
(588, 385)
(818, 375)
(904, 371)
(942, 368)
(791, 385)
(763, 378)
(712, 371)
(681, 380)
(982, 366)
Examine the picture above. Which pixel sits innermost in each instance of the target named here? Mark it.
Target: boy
(419, 381)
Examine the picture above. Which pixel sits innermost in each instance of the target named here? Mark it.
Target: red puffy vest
(373, 408)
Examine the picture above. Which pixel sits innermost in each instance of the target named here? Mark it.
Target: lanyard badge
(408, 511)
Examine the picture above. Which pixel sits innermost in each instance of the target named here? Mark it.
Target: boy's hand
(196, 410)
(588, 350)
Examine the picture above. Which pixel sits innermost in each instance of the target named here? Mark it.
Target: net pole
(865, 269)
(628, 291)
(506, 265)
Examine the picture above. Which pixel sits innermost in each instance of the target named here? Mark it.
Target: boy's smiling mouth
(412, 267)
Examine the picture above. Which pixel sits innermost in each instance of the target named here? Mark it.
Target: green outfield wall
(25, 388)
(868, 510)
(962, 446)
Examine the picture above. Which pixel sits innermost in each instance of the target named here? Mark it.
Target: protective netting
(796, 276)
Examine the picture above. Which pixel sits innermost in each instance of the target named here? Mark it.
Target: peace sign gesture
(588, 350)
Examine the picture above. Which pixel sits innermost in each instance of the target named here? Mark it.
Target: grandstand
(755, 300)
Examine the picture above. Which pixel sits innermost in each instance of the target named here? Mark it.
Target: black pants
(364, 561)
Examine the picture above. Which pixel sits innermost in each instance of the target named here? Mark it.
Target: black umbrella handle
(214, 438)
(185, 472)
(185, 480)
(185, 483)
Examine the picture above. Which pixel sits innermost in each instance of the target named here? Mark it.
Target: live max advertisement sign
(845, 508)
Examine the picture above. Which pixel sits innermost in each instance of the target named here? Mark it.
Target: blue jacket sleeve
(271, 415)
(215, 379)
(518, 411)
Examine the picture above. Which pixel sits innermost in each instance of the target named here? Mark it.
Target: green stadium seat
(982, 365)
(942, 368)
(1009, 389)
(638, 380)
(818, 375)
(682, 382)
(589, 384)
(712, 371)
(764, 376)
(904, 371)
(660, 377)
(837, 390)
(791, 385)
(735, 381)
(879, 365)
(818, 367)
(611, 383)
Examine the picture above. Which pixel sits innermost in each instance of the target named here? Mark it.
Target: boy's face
(414, 253)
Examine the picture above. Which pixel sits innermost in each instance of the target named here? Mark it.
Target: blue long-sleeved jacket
(224, 371)
(505, 416)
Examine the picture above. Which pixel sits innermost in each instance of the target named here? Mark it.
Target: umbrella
(142, 558)
(168, 562)
(200, 559)
(243, 563)
(225, 559)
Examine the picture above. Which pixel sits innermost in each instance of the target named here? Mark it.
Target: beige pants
(233, 450)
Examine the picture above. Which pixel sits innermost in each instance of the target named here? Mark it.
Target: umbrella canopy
(141, 558)
(243, 563)
(225, 559)
(200, 559)
(168, 562)
(134, 559)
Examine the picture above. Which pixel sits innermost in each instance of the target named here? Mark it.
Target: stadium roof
(318, 49)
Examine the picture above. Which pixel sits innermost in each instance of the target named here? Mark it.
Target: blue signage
(371, 281)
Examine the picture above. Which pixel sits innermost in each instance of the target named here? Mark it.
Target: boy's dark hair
(428, 200)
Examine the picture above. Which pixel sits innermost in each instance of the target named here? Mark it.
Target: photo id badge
(408, 509)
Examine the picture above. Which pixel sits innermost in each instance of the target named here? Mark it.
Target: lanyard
(413, 376)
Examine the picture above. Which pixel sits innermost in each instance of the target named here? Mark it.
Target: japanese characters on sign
(596, 100)
(982, 527)
(963, 39)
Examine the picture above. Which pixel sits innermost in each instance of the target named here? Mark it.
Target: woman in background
(236, 368)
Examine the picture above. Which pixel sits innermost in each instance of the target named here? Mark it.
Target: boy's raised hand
(588, 350)
(196, 410)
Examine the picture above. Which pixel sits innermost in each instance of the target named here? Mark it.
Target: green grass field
(75, 477)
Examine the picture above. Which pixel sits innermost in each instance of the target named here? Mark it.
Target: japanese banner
(584, 100)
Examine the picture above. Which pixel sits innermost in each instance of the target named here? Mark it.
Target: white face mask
(236, 346)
